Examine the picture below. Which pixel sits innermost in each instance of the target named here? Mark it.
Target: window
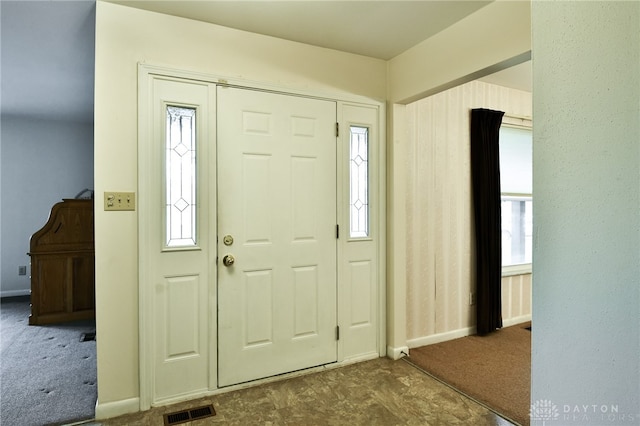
(359, 181)
(180, 177)
(517, 230)
(517, 201)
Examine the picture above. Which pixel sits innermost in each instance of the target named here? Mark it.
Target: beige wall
(494, 38)
(125, 37)
(516, 298)
(439, 211)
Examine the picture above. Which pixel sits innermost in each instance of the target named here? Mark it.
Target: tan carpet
(494, 369)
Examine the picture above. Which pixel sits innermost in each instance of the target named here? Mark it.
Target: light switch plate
(119, 201)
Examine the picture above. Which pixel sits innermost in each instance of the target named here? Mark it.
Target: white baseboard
(441, 337)
(107, 410)
(397, 353)
(462, 332)
(516, 320)
(14, 293)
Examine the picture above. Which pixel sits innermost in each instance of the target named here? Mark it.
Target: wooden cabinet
(63, 265)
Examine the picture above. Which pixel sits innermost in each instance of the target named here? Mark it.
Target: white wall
(42, 162)
(586, 168)
(125, 37)
(1, 203)
(439, 212)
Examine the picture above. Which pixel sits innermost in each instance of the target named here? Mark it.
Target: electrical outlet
(472, 298)
(22, 270)
(119, 201)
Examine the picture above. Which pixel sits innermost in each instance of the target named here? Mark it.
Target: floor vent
(188, 415)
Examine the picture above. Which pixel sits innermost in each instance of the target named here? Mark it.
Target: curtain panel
(485, 174)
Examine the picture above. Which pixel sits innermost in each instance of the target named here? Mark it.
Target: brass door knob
(228, 260)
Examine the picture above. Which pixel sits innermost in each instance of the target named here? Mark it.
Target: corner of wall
(398, 352)
(109, 410)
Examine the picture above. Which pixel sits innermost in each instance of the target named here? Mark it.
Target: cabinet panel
(63, 265)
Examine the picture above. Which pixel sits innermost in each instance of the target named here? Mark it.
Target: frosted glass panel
(359, 181)
(180, 182)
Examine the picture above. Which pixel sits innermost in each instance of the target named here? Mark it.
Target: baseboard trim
(107, 410)
(441, 337)
(14, 293)
(397, 353)
(462, 332)
(516, 320)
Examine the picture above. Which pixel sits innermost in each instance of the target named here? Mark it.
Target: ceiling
(47, 47)
(380, 29)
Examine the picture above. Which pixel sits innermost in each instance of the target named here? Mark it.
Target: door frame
(146, 75)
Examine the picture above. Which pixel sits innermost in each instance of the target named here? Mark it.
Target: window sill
(511, 270)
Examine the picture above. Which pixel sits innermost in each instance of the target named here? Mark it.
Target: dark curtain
(485, 174)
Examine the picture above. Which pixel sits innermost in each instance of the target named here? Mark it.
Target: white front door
(277, 219)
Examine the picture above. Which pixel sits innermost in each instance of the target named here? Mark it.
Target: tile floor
(377, 392)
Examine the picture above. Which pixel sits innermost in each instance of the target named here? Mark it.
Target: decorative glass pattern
(359, 181)
(180, 180)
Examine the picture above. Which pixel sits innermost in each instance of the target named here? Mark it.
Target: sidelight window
(180, 179)
(359, 182)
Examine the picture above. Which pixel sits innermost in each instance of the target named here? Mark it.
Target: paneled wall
(440, 245)
(516, 299)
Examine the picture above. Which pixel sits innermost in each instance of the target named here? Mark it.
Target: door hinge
(337, 231)
(337, 129)
(337, 332)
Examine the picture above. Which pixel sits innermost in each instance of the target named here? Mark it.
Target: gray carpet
(48, 376)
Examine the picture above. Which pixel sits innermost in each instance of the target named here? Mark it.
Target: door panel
(177, 277)
(277, 199)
